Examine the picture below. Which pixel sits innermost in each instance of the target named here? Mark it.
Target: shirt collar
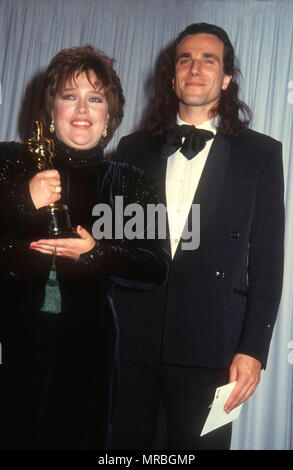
(210, 125)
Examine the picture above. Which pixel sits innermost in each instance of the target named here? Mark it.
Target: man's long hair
(234, 114)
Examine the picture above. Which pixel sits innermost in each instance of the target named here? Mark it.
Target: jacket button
(219, 274)
(235, 234)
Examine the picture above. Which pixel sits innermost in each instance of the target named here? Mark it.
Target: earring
(105, 133)
(52, 127)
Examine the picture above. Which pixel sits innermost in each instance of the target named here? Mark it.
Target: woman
(60, 350)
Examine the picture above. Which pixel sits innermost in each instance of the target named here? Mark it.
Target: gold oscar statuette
(54, 219)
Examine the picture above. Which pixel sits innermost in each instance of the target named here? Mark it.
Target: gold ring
(58, 189)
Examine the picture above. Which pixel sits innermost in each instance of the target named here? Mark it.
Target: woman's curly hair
(71, 62)
(234, 114)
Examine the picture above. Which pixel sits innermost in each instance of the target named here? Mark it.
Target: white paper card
(217, 416)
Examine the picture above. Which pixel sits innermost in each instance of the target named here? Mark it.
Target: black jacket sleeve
(141, 262)
(15, 199)
(266, 258)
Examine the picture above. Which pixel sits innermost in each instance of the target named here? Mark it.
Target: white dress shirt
(182, 178)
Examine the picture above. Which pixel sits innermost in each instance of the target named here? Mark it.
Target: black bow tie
(195, 140)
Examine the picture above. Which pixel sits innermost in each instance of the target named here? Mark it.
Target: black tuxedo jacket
(222, 298)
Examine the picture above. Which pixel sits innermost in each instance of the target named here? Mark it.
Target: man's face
(199, 71)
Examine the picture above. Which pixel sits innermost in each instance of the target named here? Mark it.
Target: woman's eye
(96, 99)
(68, 97)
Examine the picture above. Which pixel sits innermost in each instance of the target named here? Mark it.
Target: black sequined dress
(58, 371)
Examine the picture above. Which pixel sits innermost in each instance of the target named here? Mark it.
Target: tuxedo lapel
(212, 179)
(210, 184)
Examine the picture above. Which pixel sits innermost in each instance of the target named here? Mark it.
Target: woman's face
(80, 112)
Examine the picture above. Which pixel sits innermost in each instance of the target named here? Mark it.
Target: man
(212, 323)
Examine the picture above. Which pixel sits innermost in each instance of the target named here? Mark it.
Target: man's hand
(66, 247)
(246, 371)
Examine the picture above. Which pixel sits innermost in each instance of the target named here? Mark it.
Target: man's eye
(184, 61)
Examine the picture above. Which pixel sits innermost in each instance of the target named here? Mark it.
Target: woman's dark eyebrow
(98, 92)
